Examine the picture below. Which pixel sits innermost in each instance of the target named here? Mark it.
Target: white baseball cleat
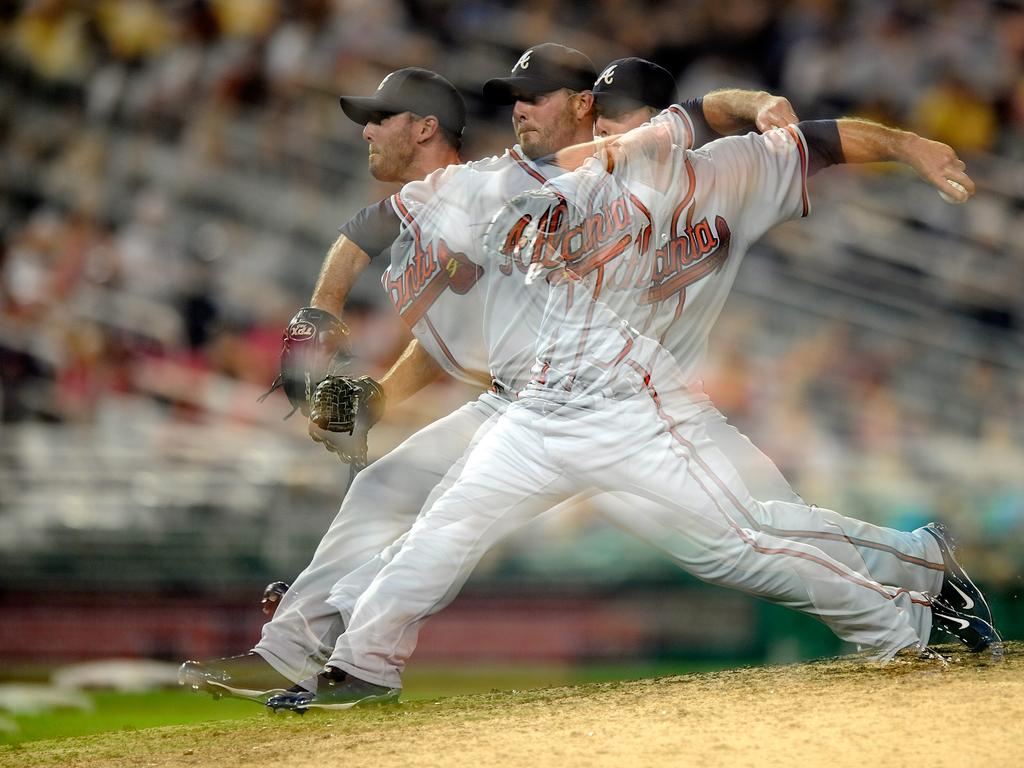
(247, 676)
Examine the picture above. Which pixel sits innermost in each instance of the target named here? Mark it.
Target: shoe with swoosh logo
(958, 590)
(971, 630)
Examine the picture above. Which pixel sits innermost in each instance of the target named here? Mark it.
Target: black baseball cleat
(958, 591)
(335, 689)
(247, 676)
(973, 631)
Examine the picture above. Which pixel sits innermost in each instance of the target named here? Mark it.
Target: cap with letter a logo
(633, 82)
(608, 76)
(415, 90)
(542, 69)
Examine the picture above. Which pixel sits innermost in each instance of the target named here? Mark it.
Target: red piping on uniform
(851, 577)
(451, 358)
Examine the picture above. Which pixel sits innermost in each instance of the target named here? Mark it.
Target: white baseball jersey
(467, 287)
(640, 260)
(468, 309)
(464, 284)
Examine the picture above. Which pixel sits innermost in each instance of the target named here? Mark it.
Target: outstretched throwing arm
(864, 141)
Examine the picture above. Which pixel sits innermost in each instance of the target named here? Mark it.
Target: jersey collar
(540, 171)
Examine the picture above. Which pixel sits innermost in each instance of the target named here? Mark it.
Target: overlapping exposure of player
(698, 537)
(567, 428)
(403, 122)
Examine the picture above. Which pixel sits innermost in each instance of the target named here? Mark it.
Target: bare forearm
(342, 265)
(864, 141)
(413, 370)
(732, 110)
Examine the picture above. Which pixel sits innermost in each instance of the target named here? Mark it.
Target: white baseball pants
(699, 511)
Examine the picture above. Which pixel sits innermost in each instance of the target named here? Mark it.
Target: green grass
(114, 712)
(125, 712)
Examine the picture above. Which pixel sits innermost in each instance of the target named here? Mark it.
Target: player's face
(611, 121)
(545, 123)
(392, 145)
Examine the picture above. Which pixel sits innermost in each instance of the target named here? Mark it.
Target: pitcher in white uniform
(570, 430)
(413, 123)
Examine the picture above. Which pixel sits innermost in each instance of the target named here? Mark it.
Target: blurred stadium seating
(172, 174)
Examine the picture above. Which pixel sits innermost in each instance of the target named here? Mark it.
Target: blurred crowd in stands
(173, 173)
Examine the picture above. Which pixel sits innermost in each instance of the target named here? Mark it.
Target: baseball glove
(314, 345)
(272, 595)
(344, 409)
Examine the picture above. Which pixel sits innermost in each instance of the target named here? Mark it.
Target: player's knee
(373, 489)
(381, 500)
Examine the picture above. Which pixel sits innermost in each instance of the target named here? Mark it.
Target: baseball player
(383, 501)
(549, 444)
(413, 124)
(628, 93)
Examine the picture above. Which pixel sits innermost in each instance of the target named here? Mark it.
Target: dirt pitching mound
(835, 713)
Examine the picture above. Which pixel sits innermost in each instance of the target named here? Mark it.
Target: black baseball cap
(542, 69)
(633, 82)
(411, 90)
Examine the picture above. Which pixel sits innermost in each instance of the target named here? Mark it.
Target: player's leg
(380, 506)
(910, 559)
(507, 481)
(760, 474)
(699, 517)
(801, 577)
(350, 587)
